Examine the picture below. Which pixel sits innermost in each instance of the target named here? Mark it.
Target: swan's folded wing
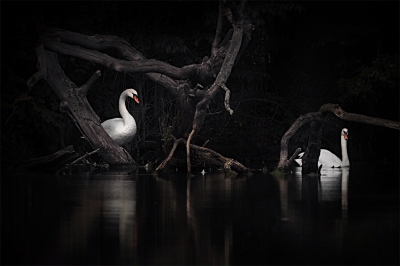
(328, 159)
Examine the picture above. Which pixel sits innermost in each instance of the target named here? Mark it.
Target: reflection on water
(124, 217)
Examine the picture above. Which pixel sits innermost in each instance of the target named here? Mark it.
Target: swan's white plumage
(328, 159)
(122, 130)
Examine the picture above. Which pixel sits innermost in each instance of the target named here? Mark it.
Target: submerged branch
(171, 153)
(52, 161)
(211, 156)
(78, 160)
(84, 157)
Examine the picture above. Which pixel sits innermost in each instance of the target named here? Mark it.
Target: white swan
(122, 130)
(328, 159)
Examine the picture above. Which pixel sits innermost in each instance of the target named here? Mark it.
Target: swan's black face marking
(345, 133)
(133, 94)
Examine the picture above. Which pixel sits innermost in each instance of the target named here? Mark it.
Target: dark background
(301, 56)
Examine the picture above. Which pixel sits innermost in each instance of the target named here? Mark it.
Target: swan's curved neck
(345, 157)
(126, 116)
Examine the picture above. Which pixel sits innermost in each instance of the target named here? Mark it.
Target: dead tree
(193, 86)
(310, 158)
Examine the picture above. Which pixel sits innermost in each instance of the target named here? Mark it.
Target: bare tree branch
(227, 96)
(171, 153)
(218, 32)
(41, 66)
(85, 87)
(222, 75)
(120, 65)
(99, 42)
(189, 167)
(339, 112)
(303, 119)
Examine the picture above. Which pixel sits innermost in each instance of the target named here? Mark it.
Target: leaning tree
(193, 86)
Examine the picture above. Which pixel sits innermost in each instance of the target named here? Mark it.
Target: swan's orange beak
(345, 136)
(136, 98)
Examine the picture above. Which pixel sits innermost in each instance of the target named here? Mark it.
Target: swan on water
(122, 130)
(328, 159)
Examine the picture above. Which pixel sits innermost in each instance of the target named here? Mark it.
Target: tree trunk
(303, 119)
(74, 102)
(311, 155)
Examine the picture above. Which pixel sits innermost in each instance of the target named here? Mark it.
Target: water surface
(123, 217)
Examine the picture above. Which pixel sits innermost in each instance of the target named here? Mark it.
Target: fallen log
(50, 162)
(208, 156)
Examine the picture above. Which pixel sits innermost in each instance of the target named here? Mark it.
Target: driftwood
(314, 143)
(53, 161)
(88, 154)
(209, 156)
(57, 162)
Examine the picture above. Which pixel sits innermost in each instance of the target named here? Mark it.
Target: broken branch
(189, 167)
(171, 153)
(227, 96)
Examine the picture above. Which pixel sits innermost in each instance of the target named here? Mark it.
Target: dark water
(347, 217)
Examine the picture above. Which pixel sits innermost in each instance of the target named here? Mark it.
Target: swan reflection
(332, 185)
(146, 219)
(102, 209)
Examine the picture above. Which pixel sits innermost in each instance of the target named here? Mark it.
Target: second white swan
(122, 130)
(328, 159)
